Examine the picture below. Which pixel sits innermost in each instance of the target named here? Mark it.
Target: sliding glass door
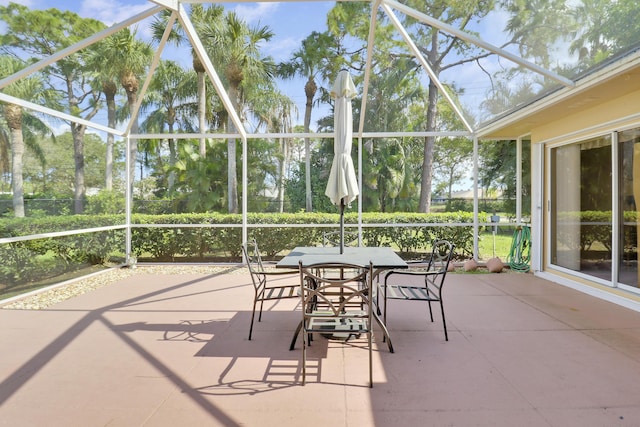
(581, 202)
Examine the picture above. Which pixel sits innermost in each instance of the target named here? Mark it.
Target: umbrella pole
(341, 226)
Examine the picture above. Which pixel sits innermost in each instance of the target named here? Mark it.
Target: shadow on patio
(162, 349)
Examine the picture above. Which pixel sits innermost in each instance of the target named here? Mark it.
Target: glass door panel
(581, 215)
(629, 191)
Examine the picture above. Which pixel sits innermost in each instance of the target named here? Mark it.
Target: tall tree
(498, 171)
(442, 52)
(533, 26)
(394, 103)
(202, 18)
(236, 46)
(168, 103)
(40, 34)
(274, 111)
(103, 63)
(386, 174)
(132, 58)
(5, 148)
(310, 61)
(57, 177)
(23, 126)
(453, 160)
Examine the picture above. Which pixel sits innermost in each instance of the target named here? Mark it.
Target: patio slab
(171, 349)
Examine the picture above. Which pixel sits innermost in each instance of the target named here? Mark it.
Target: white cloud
(491, 27)
(281, 48)
(258, 12)
(112, 11)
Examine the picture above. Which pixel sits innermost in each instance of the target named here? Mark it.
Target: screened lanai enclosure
(173, 131)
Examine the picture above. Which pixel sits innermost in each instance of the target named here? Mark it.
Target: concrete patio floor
(172, 350)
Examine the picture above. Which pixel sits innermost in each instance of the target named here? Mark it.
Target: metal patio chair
(336, 307)
(263, 281)
(433, 281)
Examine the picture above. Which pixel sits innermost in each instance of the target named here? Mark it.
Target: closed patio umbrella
(342, 187)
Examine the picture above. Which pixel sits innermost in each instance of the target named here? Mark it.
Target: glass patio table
(383, 258)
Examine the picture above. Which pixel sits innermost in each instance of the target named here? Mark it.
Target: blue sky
(291, 23)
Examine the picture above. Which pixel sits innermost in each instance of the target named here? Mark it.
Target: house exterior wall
(591, 120)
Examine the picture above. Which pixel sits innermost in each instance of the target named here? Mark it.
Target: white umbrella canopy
(342, 187)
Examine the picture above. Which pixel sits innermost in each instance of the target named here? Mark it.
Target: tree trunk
(13, 116)
(310, 89)
(202, 101)
(281, 173)
(109, 89)
(77, 132)
(130, 85)
(202, 106)
(173, 155)
(232, 178)
(429, 143)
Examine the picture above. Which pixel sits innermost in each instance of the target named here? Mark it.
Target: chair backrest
(332, 238)
(253, 260)
(335, 297)
(441, 255)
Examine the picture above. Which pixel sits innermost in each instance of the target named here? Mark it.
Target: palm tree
(130, 57)
(23, 127)
(387, 173)
(5, 147)
(103, 61)
(235, 46)
(170, 96)
(308, 62)
(200, 17)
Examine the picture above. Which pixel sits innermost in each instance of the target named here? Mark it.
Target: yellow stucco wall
(605, 116)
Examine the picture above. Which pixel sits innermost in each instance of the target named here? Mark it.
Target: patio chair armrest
(411, 273)
(402, 272)
(278, 272)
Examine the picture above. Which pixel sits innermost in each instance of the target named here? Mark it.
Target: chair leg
(260, 316)
(444, 322)
(430, 311)
(385, 333)
(304, 361)
(371, 358)
(253, 315)
(384, 316)
(295, 337)
(376, 300)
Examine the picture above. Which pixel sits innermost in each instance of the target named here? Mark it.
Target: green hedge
(169, 244)
(46, 257)
(38, 259)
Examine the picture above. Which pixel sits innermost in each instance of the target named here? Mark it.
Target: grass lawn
(498, 247)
